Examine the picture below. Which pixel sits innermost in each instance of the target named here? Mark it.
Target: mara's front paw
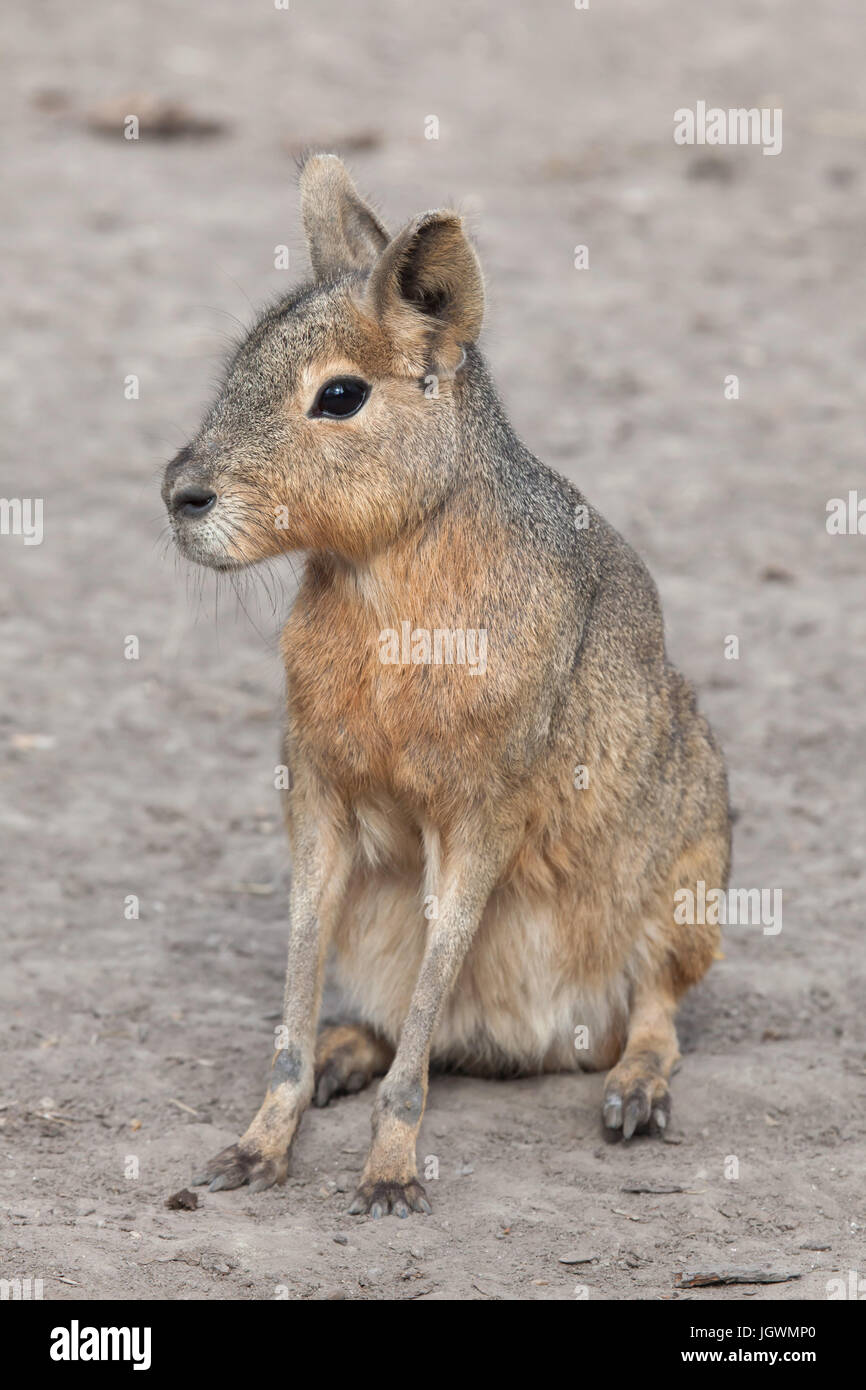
(261, 1157)
(379, 1198)
(241, 1163)
(636, 1099)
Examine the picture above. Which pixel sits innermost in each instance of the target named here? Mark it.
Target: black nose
(192, 501)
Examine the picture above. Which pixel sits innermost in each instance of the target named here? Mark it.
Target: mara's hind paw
(238, 1165)
(636, 1099)
(348, 1058)
(380, 1198)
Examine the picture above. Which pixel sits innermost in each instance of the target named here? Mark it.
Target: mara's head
(335, 427)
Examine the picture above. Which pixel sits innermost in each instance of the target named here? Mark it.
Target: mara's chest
(406, 703)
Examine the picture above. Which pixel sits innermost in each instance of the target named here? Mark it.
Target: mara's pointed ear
(343, 233)
(427, 291)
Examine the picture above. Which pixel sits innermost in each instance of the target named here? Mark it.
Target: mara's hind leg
(348, 1057)
(676, 955)
(636, 1094)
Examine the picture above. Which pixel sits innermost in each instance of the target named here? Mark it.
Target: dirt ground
(142, 1045)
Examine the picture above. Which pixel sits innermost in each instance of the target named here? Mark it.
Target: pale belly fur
(518, 999)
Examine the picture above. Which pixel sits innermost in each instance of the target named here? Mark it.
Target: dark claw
(380, 1198)
(325, 1089)
(661, 1115)
(634, 1112)
(631, 1108)
(613, 1112)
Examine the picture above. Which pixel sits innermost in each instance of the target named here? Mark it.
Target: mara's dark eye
(341, 397)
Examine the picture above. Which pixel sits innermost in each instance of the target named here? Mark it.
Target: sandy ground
(142, 1045)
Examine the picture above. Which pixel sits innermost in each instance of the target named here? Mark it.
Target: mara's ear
(427, 291)
(343, 233)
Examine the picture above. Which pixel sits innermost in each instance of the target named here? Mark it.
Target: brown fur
(480, 907)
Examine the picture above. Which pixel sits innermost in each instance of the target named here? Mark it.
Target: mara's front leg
(321, 864)
(389, 1182)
